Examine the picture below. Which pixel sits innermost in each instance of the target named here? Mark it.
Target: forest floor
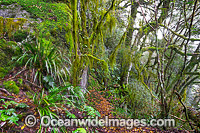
(97, 98)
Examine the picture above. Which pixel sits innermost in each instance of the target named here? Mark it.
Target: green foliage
(43, 103)
(22, 105)
(8, 114)
(91, 111)
(79, 130)
(133, 101)
(49, 82)
(20, 81)
(98, 61)
(70, 115)
(7, 50)
(7, 104)
(75, 39)
(55, 32)
(112, 57)
(76, 94)
(3, 72)
(9, 26)
(11, 86)
(29, 95)
(39, 8)
(54, 99)
(45, 59)
(20, 35)
(15, 104)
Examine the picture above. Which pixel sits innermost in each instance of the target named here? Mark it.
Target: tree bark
(84, 79)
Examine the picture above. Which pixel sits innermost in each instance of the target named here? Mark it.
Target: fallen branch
(34, 85)
(16, 74)
(4, 90)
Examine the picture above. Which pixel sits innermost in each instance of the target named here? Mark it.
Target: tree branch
(186, 115)
(179, 35)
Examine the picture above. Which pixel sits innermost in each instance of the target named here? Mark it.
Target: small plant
(43, 59)
(45, 103)
(8, 114)
(11, 86)
(20, 81)
(70, 115)
(76, 95)
(43, 106)
(79, 130)
(91, 111)
(22, 105)
(15, 104)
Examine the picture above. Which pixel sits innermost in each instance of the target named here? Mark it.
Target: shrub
(43, 59)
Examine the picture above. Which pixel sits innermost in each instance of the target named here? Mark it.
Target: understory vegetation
(70, 59)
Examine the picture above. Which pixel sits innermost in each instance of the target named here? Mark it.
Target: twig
(183, 69)
(144, 16)
(177, 118)
(4, 90)
(32, 83)
(16, 74)
(6, 98)
(179, 35)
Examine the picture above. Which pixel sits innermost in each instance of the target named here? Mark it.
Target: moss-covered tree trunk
(126, 53)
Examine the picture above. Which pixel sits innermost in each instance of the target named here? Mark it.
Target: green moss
(11, 86)
(3, 58)
(10, 25)
(20, 35)
(7, 47)
(20, 81)
(2, 43)
(54, 18)
(1, 26)
(7, 51)
(3, 72)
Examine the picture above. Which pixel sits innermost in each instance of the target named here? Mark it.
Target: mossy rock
(11, 86)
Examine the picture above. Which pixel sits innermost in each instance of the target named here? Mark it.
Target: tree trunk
(125, 62)
(84, 79)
